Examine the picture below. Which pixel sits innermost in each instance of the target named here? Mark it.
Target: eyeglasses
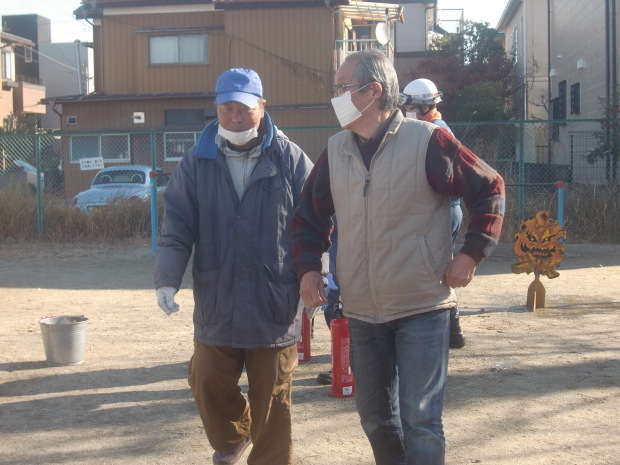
(338, 89)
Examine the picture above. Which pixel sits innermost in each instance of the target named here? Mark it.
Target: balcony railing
(29, 79)
(347, 47)
(352, 46)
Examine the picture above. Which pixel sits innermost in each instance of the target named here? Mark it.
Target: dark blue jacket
(245, 291)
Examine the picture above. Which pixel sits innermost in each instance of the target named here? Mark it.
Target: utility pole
(78, 58)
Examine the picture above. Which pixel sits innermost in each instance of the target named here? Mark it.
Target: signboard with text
(91, 163)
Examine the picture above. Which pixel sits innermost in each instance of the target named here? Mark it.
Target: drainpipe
(607, 54)
(614, 75)
(614, 55)
(608, 79)
(548, 54)
(549, 108)
(55, 109)
(434, 8)
(524, 81)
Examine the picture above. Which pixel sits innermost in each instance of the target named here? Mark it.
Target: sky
(485, 11)
(65, 28)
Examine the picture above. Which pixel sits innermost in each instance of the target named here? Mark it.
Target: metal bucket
(64, 339)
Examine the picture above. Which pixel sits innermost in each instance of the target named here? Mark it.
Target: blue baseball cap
(238, 84)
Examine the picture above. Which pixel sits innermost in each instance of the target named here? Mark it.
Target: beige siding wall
(291, 49)
(579, 32)
(411, 36)
(535, 56)
(530, 23)
(125, 55)
(117, 116)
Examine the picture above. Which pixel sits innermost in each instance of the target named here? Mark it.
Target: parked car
(31, 175)
(118, 184)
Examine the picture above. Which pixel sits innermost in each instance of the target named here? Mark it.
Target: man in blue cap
(230, 202)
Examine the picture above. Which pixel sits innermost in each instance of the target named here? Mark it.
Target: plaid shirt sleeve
(453, 170)
(312, 223)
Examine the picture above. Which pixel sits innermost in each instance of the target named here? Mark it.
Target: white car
(119, 184)
(31, 175)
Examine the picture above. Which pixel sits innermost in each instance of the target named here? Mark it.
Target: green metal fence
(530, 155)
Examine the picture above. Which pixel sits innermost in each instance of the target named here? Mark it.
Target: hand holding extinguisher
(343, 382)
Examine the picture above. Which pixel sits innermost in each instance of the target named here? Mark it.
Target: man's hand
(460, 271)
(312, 289)
(165, 299)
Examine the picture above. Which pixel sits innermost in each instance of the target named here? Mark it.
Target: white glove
(311, 311)
(165, 299)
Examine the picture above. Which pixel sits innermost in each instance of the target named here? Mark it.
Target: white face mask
(238, 138)
(345, 109)
(411, 114)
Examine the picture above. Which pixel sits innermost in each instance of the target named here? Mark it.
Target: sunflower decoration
(540, 250)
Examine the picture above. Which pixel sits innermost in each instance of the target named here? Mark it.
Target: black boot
(456, 335)
(325, 378)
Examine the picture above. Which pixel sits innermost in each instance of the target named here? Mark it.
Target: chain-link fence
(532, 156)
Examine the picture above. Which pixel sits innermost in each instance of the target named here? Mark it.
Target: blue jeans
(456, 218)
(332, 294)
(400, 370)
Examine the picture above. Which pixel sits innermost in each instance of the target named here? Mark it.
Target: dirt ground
(528, 388)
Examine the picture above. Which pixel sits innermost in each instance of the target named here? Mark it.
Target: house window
(111, 147)
(177, 49)
(7, 65)
(575, 98)
(514, 44)
(177, 143)
(189, 117)
(27, 53)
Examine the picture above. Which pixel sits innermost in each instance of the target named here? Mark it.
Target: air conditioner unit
(71, 119)
(138, 117)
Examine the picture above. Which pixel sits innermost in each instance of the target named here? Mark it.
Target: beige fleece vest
(394, 240)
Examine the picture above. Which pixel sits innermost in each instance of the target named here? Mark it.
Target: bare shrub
(18, 213)
(112, 223)
(591, 212)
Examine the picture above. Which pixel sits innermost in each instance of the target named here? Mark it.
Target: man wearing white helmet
(420, 98)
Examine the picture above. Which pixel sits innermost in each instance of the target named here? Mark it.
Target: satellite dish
(382, 33)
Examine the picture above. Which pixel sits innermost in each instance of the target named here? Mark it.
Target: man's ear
(376, 88)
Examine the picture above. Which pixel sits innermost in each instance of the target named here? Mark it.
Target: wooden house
(156, 64)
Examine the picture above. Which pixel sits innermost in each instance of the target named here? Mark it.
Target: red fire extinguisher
(303, 346)
(343, 382)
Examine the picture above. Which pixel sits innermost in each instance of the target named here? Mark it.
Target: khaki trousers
(228, 417)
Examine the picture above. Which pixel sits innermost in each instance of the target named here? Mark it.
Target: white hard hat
(421, 92)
